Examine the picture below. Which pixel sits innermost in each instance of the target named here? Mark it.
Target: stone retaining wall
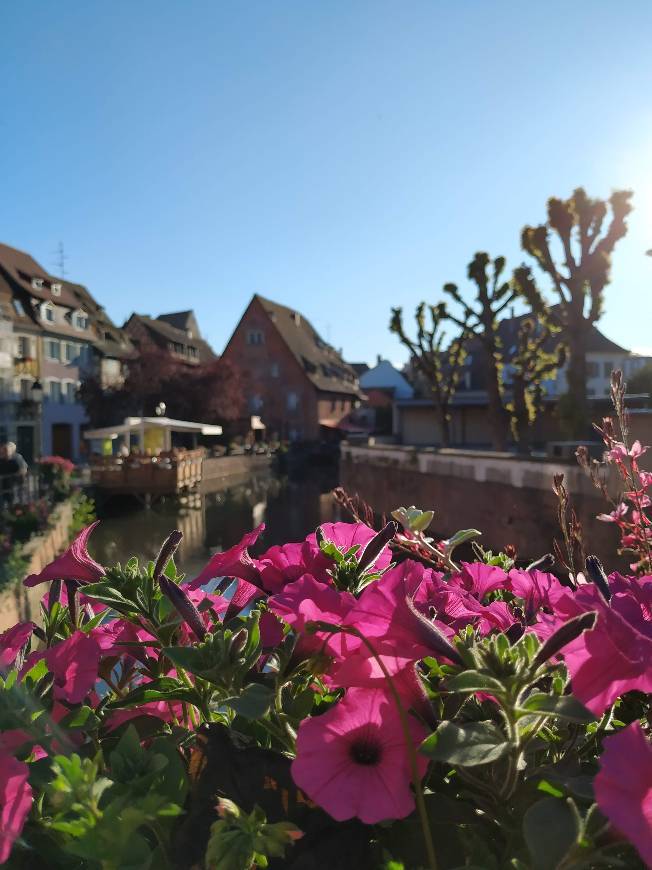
(509, 499)
(19, 604)
(216, 470)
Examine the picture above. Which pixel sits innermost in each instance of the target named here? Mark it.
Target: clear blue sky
(339, 156)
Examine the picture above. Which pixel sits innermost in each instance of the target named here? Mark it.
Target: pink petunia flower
(344, 536)
(623, 787)
(480, 579)
(284, 564)
(537, 588)
(614, 657)
(234, 562)
(74, 564)
(12, 641)
(74, 663)
(15, 801)
(352, 760)
(309, 600)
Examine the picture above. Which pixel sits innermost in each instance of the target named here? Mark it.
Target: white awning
(137, 424)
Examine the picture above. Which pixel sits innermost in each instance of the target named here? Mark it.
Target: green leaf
(562, 706)
(475, 681)
(254, 701)
(551, 828)
(468, 745)
(82, 717)
(161, 689)
(110, 596)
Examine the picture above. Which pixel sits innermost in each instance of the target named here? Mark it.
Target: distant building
(59, 333)
(383, 385)
(297, 384)
(175, 334)
(416, 421)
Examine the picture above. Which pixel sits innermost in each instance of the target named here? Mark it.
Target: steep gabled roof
(18, 269)
(163, 332)
(322, 364)
(184, 320)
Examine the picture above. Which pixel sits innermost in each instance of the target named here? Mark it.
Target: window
(47, 312)
(255, 336)
(607, 368)
(70, 392)
(56, 289)
(55, 391)
(72, 352)
(273, 370)
(80, 320)
(53, 349)
(18, 307)
(25, 388)
(37, 283)
(292, 401)
(24, 347)
(592, 370)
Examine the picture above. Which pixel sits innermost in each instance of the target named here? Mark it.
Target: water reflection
(289, 508)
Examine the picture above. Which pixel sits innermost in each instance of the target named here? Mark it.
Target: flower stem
(411, 751)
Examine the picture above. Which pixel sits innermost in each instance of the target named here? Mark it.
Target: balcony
(26, 365)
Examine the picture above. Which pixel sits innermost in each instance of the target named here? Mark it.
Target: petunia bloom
(309, 600)
(614, 657)
(12, 641)
(352, 761)
(15, 801)
(623, 787)
(75, 564)
(74, 663)
(234, 562)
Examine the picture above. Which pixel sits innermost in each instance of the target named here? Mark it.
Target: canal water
(290, 509)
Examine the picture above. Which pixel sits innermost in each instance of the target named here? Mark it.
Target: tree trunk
(521, 418)
(498, 420)
(444, 425)
(577, 416)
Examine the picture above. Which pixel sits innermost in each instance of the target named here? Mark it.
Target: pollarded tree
(573, 248)
(480, 318)
(438, 362)
(537, 357)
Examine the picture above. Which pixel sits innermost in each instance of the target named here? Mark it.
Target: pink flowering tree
(362, 698)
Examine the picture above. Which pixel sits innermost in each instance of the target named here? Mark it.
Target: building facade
(297, 384)
(59, 335)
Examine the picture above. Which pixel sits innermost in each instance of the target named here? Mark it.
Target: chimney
(511, 312)
(379, 359)
(297, 318)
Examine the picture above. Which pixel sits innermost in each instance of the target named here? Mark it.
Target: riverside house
(297, 384)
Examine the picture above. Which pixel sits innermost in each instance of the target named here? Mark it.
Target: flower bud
(376, 545)
(596, 574)
(183, 605)
(566, 633)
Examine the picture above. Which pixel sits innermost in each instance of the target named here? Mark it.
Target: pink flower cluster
(631, 514)
(365, 644)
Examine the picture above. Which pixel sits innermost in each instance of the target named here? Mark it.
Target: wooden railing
(164, 474)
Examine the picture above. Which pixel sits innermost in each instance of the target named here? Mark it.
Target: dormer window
(18, 307)
(47, 312)
(37, 283)
(56, 289)
(80, 320)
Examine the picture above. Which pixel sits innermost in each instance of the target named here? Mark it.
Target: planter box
(18, 604)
